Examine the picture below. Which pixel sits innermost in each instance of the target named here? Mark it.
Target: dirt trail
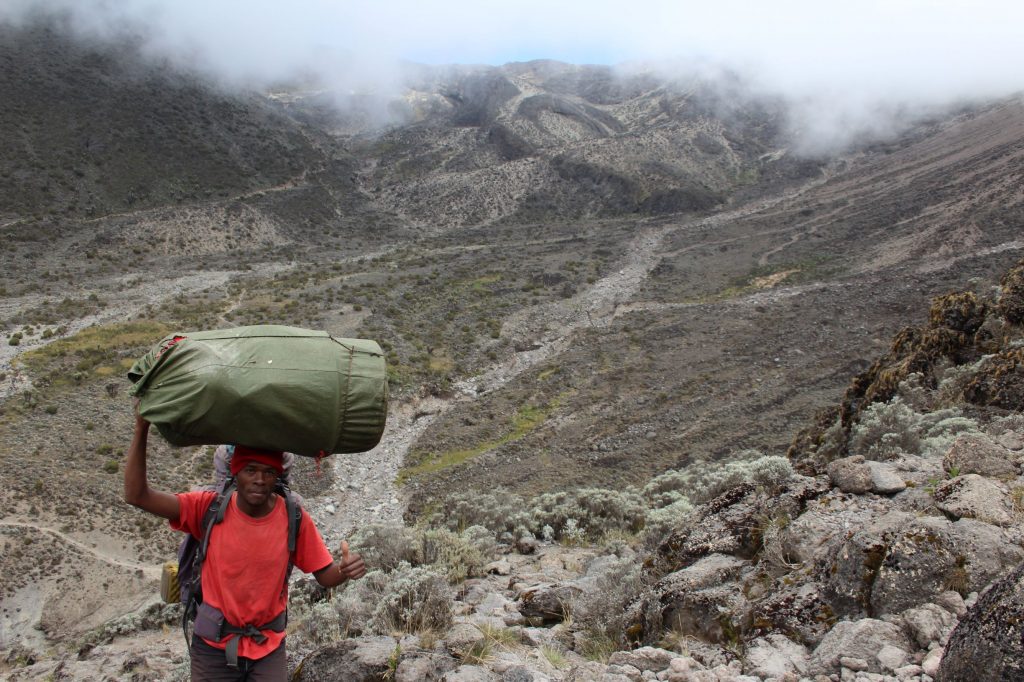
(149, 570)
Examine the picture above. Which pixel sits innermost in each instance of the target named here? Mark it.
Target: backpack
(183, 581)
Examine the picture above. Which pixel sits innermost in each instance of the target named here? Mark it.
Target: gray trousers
(210, 665)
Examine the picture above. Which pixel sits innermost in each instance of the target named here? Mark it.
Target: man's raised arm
(136, 487)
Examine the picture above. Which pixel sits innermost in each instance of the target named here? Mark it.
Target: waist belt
(222, 627)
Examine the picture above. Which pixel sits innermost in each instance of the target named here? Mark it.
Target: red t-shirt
(246, 562)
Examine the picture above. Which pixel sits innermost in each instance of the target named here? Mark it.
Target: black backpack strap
(294, 510)
(214, 514)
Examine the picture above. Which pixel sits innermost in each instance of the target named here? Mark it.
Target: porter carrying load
(266, 386)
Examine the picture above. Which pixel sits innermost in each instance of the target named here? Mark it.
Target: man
(243, 576)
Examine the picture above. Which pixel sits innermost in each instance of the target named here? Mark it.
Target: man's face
(256, 484)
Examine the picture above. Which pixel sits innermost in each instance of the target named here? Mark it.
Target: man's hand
(351, 565)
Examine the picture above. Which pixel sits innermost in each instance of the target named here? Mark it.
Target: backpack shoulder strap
(213, 515)
(294, 510)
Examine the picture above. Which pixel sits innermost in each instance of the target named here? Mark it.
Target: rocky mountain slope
(583, 278)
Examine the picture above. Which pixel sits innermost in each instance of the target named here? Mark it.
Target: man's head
(256, 473)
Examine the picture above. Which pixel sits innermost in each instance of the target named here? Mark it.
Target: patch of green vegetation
(526, 419)
(92, 353)
(767, 276)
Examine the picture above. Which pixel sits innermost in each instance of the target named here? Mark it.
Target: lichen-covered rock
(850, 570)
(468, 673)
(987, 644)
(864, 639)
(899, 561)
(850, 474)
(809, 537)
(974, 497)
(703, 601)
(930, 555)
(978, 454)
(798, 611)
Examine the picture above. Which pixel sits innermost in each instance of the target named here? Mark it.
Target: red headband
(244, 455)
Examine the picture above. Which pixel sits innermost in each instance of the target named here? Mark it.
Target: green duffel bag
(266, 386)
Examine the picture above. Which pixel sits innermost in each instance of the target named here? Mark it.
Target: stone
(468, 673)
(775, 655)
(499, 567)
(359, 658)
(1011, 440)
(626, 671)
(929, 555)
(987, 644)
(862, 639)
(423, 667)
(885, 480)
(546, 603)
(927, 623)
(850, 474)
(854, 664)
(974, 497)
(644, 658)
(952, 602)
(978, 454)
(932, 662)
(702, 601)
(800, 610)
(891, 657)
(520, 673)
(461, 639)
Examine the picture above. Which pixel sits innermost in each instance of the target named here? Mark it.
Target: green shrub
(112, 466)
(408, 599)
(452, 554)
(601, 612)
(385, 546)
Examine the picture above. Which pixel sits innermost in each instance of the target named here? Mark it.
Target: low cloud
(851, 68)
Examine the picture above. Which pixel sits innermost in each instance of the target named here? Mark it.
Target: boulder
(466, 673)
(776, 656)
(987, 644)
(899, 561)
(979, 454)
(361, 659)
(462, 638)
(929, 556)
(798, 611)
(546, 603)
(704, 601)
(850, 474)
(928, 623)
(644, 658)
(863, 639)
(974, 497)
(424, 667)
(885, 479)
